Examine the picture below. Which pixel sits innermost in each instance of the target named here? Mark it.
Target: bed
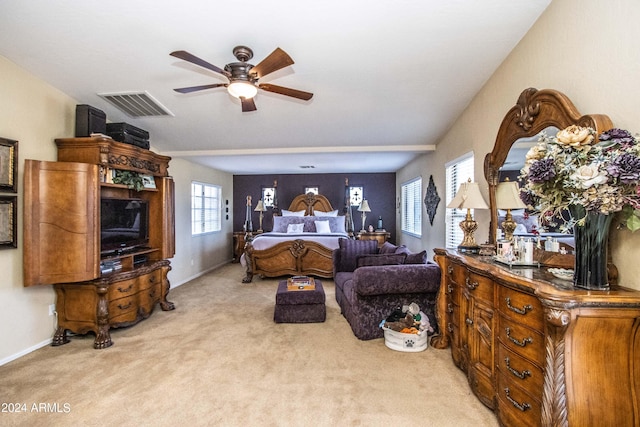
(301, 243)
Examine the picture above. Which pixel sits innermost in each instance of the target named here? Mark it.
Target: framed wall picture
(8, 165)
(8, 222)
(148, 181)
(314, 190)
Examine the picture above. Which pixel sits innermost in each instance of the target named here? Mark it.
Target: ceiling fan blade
(186, 56)
(276, 60)
(247, 104)
(286, 91)
(196, 88)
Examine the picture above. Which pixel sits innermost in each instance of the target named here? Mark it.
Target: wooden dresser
(536, 350)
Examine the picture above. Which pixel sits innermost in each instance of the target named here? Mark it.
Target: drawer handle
(522, 310)
(522, 375)
(449, 269)
(449, 327)
(449, 308)
(522, 406)
(449, 289)
(124, 307)
(152, 293)
(522, 343)
(127, 289)
(152, 279)
(471, 285)
(468, 321)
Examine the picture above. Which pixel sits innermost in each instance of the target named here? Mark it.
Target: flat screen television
(124, 224)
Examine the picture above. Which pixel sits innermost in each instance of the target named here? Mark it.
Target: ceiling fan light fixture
(242, 89)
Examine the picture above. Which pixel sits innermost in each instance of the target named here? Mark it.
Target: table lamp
(468, 197)
(260, 207)
(364, 208)
(508, 197)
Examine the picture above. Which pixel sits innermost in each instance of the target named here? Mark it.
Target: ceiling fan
(243, 77)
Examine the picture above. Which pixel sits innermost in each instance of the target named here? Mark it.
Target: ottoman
(300, 306)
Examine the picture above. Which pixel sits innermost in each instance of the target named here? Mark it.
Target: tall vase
(591, 245)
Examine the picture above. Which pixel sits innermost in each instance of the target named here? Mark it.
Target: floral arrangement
(576, 169)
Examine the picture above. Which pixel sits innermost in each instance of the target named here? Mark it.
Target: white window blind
(206, 208)
(457, 172)
(411, 219)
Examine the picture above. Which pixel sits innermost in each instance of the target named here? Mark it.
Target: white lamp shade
(508, 196)
(242, 89)
(468, 197)
(364, 206)
(260, 206)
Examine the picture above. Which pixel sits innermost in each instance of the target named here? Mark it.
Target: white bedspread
(267, 240)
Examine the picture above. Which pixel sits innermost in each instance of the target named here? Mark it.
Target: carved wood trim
(534, 111)
(554, 404)
(309, 203)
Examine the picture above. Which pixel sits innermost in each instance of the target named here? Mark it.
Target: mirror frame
(535, 111)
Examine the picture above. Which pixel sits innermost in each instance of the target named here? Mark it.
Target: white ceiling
(389, 78)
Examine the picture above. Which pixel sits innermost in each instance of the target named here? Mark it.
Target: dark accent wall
(379, 189)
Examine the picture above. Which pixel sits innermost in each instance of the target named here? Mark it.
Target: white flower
(588, 176)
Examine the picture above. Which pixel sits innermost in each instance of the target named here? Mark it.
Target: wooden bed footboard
(295, 257)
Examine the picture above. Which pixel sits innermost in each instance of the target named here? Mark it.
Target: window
(412, 207)
(206, 208)
(457, 172)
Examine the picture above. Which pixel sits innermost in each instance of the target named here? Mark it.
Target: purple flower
(528, 198)
(620, 136)
(626, 167)
(542, 171)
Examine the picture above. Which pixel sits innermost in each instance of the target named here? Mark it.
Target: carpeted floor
(220, 360)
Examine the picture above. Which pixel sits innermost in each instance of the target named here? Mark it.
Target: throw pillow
(350, 249)
(295, 228)
(322, 227)
(417, 258)
(387, 248)
(292, 213)
(380, 259)
(321, 213)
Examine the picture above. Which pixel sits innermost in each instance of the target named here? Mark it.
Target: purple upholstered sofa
(370, 283)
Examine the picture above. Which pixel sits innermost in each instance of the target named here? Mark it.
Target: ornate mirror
(535, 111)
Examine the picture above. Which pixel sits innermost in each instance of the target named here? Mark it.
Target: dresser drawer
(480, 287)
(123, 309)
(521, 307)
(150, 280)
(521, 340)
(148, 298)
(123, 289)
(457, 273)
(520, 370)
(516, 407)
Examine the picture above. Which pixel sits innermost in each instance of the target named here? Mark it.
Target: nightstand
(380, 236)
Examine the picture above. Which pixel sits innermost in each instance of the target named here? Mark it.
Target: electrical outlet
(52, 309)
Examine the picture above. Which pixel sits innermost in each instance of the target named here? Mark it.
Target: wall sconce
(468, 197)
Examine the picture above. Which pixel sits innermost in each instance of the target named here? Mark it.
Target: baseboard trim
(25, 351)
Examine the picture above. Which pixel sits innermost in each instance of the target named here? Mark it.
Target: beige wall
(34, 114)
(587, 49)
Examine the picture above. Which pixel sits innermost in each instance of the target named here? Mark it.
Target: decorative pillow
(295, 228)
(402, 250)
(380, 259)
(387, 248)
(350, 249)
(322, 227)
(417, 258)
(292, 213)
(321, 213)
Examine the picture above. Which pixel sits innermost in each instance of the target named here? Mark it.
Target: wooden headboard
(309, 203)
